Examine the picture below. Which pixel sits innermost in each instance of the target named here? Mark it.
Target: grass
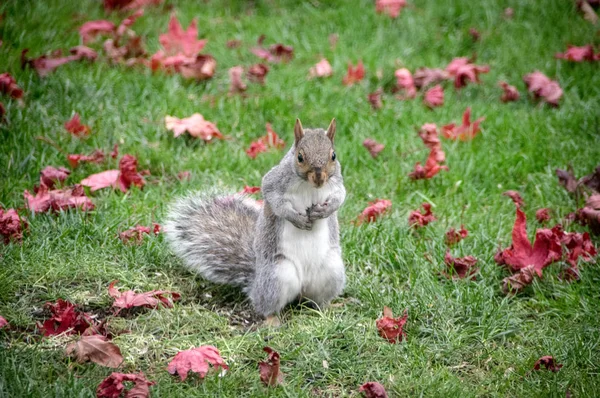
(464, 338)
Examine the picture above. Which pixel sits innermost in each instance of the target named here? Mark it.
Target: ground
(464, 338)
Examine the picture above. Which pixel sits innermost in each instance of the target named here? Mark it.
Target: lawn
(464, 338)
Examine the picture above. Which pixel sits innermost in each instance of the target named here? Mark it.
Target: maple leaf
(374, 210)
(196, 360)
(275, 53)
(248, 190)
(577, 54)
(44, 65)
(11, 225)
(542, 215)
(75, 127)
(113, 386)
(321, 69)
(96, 157)
(58, 199)
(391, 328)
(390, 7)
(474, 33)
(124, 178)
(236, 84)
(590, 213)
(270, 374)
(3, 322)
(464, 71)
(101, 180)
(257, 73)
(429, 135)
(510, 93)
(178, 41)
(592, 180)
(97, 349)
(375, 99)
(372, 389)
(578, 245)
(542, 87)
(91, 29)
(64, 319)
(354, 74)
(462, 267)
(548, 362)
(453, 236)
(417, 219)
(8, 85)
(195, 125)
(466, 131)
(567, 179)
(405, 83)
(130, 299)
(373, 147)
(434, 97)
(51, 175)
(111, 5)
(266, 142)
(515, 197)
(517, 282)
(136, 234)
(424, 77)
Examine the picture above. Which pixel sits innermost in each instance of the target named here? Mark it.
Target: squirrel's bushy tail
(214, 235)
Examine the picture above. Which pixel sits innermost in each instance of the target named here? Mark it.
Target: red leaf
(200, 67)
(51, 175)
(275, 53)
(113, 386)
(578, 245)
(453, 236)
(542, 215)
(2, 113)
(375, 99)
(321, 69)
(257, 73)
(391, 328)
(75, 127)
(101, 180)
(43, 65)
(405, 82)
(462, 267)
(390, 7)
(178, 41)
(590, 213)
(11, 225)
(354, 74)
(542, 87)
(475, 35)
(423, 77)
(374, 210)
(515, 197)
(236, 85)
(129, 175)
(3, 322)
(89, 30)
(110, 5)
(152, 299)
(518, 281)
(96, 157)
(270, 373)
(510, 92)
(97, 349)
(372, 389)
(195, 125)
(8, 85)
(548, 362)
(64, 319)
(196, 360)
(57, 200)
(136, 234)
(464, 71)
(577, 54)
(466, 131)
(417, 219)
(248, 190)
(429, 135)
(266, 142)
(373, 147)
(434, 97)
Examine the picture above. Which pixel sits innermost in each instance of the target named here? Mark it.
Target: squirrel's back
(214, 236)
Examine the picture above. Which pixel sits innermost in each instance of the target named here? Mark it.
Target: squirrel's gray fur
(286, 249)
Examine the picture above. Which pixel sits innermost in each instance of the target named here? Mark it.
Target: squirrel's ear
(331, 130)
(298, 131)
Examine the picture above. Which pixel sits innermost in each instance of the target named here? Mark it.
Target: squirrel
(285, 250)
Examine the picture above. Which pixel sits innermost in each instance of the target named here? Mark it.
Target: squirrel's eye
(300, 158)
(333, 156)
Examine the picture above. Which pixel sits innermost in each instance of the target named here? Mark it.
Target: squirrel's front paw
(302, 221)
(319, 211)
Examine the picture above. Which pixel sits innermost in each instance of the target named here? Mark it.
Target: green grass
(464, 338)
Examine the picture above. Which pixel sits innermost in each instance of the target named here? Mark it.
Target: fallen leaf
(405, 83)
(517, 282)
(509, 13)
(577, 54)
(8, 85)
(548, 362)
(373, 147)
(11, 225)
(113, 386)
(184, 175)
(91, 29)
(136, 234)
(429, 135)
(257, 73)
(374, 210)
(391, 328)
(375, 99)
(515, 197)
(592, 180)
(466, 131)
(434, 97)
(510, 92)
(51, 175)
(588, 12)
(543, 88)
(542, 215)
(196, 360)
(58, 199)
(424, 77)
(101, 180)
(248, 190)
(236, 85)
(234, 43)
(453, 236)
(96, 157)
(97, 349)
(266, 142)
(567, 179)
(195, 125)
(270, 374)
(474, 33)
(417, 219)
(275, 53)
(111, 5)
(75, 127)
(590, 213)
(464, 71)
(2, 113)
(44, 65)
(3, 322)
(461, 268)
(179, 41)
(372, 389)
(390, 7)
(152, 299)
(355, 74)
(64, 319)
(321, 69)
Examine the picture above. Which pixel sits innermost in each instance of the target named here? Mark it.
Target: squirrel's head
(315, 158)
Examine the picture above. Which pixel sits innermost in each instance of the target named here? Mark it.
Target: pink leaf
(542, 87)
(57, 200)
(197, 361)
(11, 225)
(390, 7)
(8, 85)
(75, 127)
(466, 131)
(510, 92)
(195, 125)
(417, 219)
(374, 210)
(373, 147)
(434, 97)
(391, 328)
(179, 41)
(114, 386)
(372, 389)
(152, 299)
(101, 180)
(321, 69)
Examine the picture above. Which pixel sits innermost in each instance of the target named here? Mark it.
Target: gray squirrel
(282, 251)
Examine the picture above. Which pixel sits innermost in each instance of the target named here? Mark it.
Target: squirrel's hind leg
(330, 281)
(275, 286)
